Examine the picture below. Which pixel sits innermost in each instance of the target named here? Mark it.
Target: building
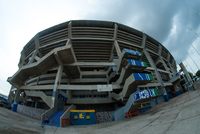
(85, 64)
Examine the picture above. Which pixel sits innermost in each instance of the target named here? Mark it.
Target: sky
(174, 23)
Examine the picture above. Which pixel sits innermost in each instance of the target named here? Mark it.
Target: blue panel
(82, 118)
(145, 94)
(138, 63)
(142, 76)
(135, 62)
(55, 119)
(14, 107)
(132, 52)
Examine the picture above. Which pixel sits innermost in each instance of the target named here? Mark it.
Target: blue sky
(176, 24)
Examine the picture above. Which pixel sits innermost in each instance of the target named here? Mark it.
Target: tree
(198, 73)
(191, 74)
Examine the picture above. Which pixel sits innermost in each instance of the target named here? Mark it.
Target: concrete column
(22, 58)
(163, 62)
(115, 32)
(16, 101)
(37, 45)
(56, 83)
(144, 40)
(189, 79)
(158, 76)
(117, 48)
(114, 39)
(16, 98)
(165, 66)
(36, 104)
(70, 30)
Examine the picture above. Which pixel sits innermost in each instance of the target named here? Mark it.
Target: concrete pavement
(180, 115)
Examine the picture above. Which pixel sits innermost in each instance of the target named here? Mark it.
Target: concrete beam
(117, 48)
(57, 82)
(66, 87)
(158, 76)
(115, 32)
(165, 66)
(91, 64)
(90, 100)
(36, 51)
(144, 40)
(70, 30)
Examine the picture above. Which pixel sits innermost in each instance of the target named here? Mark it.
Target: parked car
(4, 103)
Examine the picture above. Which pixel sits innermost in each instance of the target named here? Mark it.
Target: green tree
(198, 73)
(191, 74)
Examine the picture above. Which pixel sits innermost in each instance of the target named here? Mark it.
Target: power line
(188, 65)
(196, 50)
(193, 61)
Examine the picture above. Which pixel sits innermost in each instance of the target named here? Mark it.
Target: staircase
(55, 119)
(42, 95)
(135, 97)
(119, 114)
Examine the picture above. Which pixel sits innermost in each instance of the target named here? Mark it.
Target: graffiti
(132, 52)
(145, 94)
(137, 63)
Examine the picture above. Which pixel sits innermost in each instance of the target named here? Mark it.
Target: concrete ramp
(131, 84)
(42, 95)
(64, 55)
(137, 96)
(119, 114)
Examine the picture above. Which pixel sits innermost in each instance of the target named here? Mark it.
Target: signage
(103, 88)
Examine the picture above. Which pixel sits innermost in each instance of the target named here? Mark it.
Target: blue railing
(55, 119)
(143, 76)
(137, 63)
(146, 93)
(132, 52)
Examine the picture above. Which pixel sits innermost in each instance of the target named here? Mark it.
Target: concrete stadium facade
(86, 64)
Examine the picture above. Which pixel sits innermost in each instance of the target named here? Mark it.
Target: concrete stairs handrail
(42, 95)
(120, 113)
(66, 114)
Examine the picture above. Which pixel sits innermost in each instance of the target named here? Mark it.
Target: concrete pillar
(70, 30)
(117, 48)
(115, 32)
(37, 45)
(56, 83)
(114, 39)
(189, 79)
(22, 59)
(16, 98)
(16, 101)
(163, 62)
(144, 40)
(158, 76)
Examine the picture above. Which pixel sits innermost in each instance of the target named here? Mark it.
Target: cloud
(173, 23)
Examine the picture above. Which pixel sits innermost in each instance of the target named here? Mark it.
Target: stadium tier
(91, 65)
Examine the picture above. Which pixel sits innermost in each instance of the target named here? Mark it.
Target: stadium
(86, 72)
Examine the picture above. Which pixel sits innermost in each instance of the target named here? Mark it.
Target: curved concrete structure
(90, 62)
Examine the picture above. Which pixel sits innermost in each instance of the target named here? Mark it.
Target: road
(180, 115)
